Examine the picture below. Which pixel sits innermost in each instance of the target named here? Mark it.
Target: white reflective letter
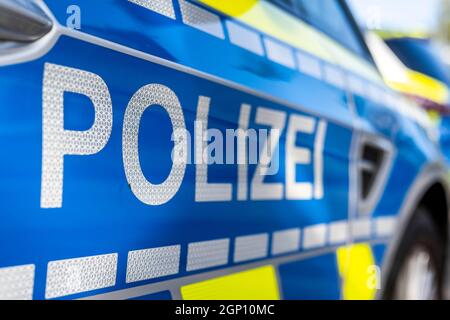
(205, 191)
(318, 159)
(146, 97)
(57, 142)
(296, 155)
(268, 159)
(242, 152)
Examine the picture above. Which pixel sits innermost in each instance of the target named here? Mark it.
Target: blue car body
(102, 216)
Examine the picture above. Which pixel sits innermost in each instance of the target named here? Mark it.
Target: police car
(176, 149)
(410, 64)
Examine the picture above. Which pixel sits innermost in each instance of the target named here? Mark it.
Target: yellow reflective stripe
(233, 8)
(424, 86)
(273, 21)
(255, 284)
(351, 62)
(435, 117)
(356, 267)
(418, 34)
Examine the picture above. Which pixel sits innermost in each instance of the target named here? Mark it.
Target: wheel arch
(431, 190)
(435, 200)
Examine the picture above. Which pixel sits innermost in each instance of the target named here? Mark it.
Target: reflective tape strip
(245, 38)
(309, 65)
(251, 247)
(285, 241)
(279, 53)
(334, 76)
(384, 226)
(338, 232)
(153, 263)
(206, 254)
(315, 236)
(255, 284)
(421, 85)
(65, 277)
(268, 18)
(201, 19)
(164, 7)
(281, 49)
(361, 229)
(17, 283)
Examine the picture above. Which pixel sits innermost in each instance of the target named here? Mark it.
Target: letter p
(57, 142)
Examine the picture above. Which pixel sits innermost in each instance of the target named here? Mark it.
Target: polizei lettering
(282, 131)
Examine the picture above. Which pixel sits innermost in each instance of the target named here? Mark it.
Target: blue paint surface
(101, 215)
(322, 282)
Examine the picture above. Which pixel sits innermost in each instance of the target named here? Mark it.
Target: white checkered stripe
(286, 241)
(17, 283)
(207, 254)
(251, 247)
(163, 7)
(153, 263)
(71, 276)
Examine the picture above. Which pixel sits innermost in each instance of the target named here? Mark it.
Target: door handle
(22, 21)
(374, 162)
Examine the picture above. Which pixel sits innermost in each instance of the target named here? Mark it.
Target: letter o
(146, 97)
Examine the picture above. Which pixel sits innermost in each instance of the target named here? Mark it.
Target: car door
(393, 143)
(94, 204)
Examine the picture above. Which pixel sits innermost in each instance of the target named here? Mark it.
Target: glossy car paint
(101, 215)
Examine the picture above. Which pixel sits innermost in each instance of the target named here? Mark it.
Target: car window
(318, 12)
(419, 55)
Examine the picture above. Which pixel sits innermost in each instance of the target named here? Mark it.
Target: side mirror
(22, 21)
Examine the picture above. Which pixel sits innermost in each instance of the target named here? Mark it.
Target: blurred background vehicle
(410, 64)
(415, 63)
